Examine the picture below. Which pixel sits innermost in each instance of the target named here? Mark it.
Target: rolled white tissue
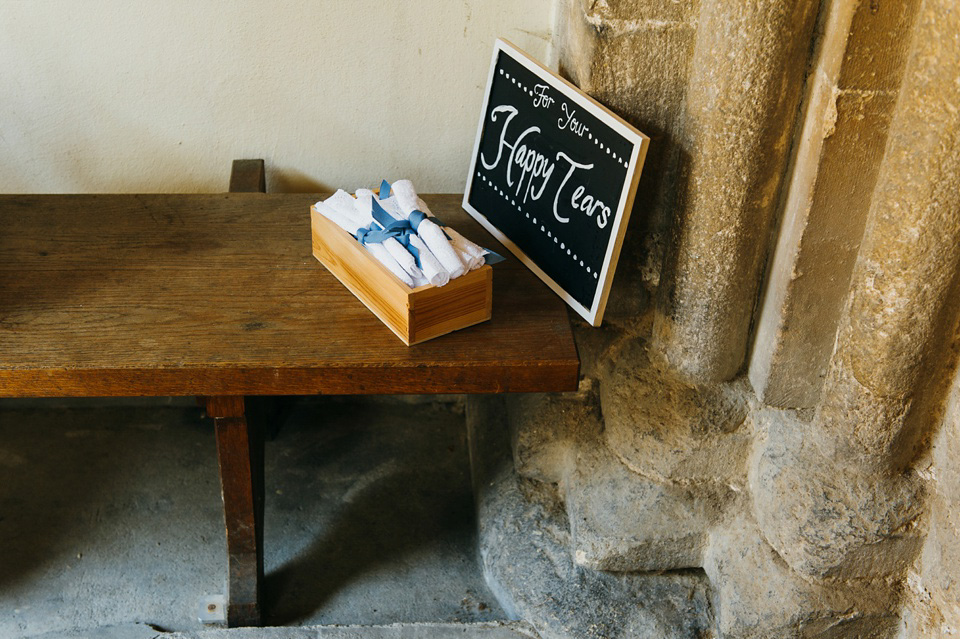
(471, 253)
(433, 269)
(403, 257)
(384, 257)
(344, 204)
(344, 222)
(360, 208)
(429, 232)
(406, 195)
(350, 224)
(432, 235)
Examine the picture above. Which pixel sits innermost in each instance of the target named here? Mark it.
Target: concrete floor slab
(110, 515)
(514, 630)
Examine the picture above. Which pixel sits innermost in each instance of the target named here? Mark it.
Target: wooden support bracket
(240, 458)
(248, 176)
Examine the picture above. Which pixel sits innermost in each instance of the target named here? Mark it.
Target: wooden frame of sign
(553, 177)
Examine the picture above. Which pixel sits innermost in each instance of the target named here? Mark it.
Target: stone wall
(769, 420)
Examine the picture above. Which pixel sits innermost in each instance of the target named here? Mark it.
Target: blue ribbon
(419, 216)
(399, 229)
(492, 258)
(403, 229)
(404, 239)
(371, 234)
(415, 217)
(385, 219)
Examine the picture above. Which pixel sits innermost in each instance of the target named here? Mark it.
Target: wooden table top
(130, 295)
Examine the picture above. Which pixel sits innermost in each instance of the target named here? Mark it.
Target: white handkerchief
(347, 224)
(407, 201)
(344, 214)
(361, 210)
(432, 268)
(405, 194)
(387, 260)
(432, 235)
(402, 256)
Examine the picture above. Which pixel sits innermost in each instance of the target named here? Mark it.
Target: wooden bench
(218, 296)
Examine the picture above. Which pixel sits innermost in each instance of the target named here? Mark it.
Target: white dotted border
(616, 158)
(603, 147)
(520, 85)
(533, 220)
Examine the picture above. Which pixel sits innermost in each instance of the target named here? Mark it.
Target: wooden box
(414, 314)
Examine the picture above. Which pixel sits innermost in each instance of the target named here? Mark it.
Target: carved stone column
(850, 98)
(746, 79)
(837, 497)
(679, 494)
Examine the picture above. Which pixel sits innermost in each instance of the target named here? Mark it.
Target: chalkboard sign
(553, 177)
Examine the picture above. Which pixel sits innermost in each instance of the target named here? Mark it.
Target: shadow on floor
(111, 515)
(391, 495)
(107, 514)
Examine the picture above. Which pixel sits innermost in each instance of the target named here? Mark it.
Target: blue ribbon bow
(371, 234)
(414, 218)
(389, 227)
(403, 229)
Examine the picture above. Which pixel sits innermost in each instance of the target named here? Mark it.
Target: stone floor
(110, 516)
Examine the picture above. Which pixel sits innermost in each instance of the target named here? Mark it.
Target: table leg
(240, 456)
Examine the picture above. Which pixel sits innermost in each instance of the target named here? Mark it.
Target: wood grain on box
(414, 315)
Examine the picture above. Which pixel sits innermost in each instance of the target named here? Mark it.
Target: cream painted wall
(130, 95)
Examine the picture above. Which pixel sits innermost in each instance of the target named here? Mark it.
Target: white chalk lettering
(541, 99)
(533, 164)
(573, 167)
(511, 113)
(536, 170)
(570, 122)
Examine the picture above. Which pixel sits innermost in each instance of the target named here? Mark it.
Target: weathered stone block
(878, 44)
(546, 429)
(634, 53)
(633, 12)
(525, 555)
(933, 587)
(946, 445)
(826, 515)
(859, 424)
(622, 521)
(739, 114)
(760, 597)
(835, 169)
(670, 429)
(934, 602)
(905, 274)
(641, 75)
(634, 58)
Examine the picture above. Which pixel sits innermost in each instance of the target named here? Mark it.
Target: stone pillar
(933, 608)
(746, 78)
(851, 94)
(836, 497)
(667, 474)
